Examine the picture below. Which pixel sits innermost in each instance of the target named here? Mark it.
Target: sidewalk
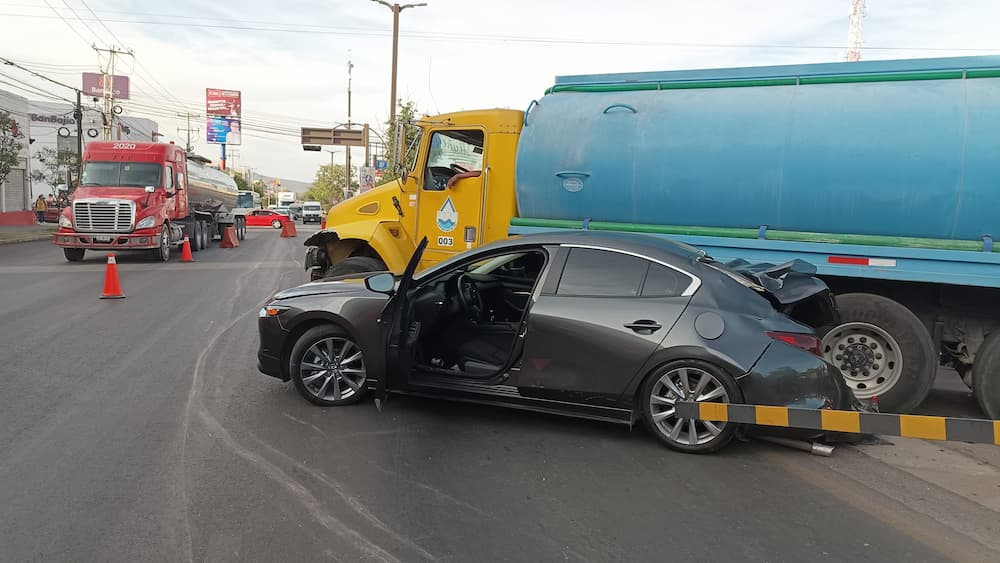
(26, 233)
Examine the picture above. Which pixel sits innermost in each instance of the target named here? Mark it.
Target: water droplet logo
(447, 216)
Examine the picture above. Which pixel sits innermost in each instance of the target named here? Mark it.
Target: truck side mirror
(150, 189)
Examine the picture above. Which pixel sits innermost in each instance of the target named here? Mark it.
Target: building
(51, 125)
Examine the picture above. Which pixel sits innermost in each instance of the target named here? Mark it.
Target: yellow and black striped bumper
(886, 424)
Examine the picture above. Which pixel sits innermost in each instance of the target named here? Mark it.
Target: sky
(290, 58)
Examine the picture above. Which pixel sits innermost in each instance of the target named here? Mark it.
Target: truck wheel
(986, 375)
(74, 254)
(355, 265)
(196, 236)
(206, 238)
(162, 253)
(882, 350)
(241, 228)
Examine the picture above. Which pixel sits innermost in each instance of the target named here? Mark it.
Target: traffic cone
(288, 229)
(322, 223)
(112, 288)
(229, 239)
(186, 251)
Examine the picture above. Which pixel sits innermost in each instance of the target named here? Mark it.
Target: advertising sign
(367, 178)
(93, 85)
(223, 102)
(223, 130)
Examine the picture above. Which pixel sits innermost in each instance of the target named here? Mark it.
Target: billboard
(93, 85)
(223, 102)
(223, 130)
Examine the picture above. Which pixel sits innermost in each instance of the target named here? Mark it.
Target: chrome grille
(103, 216)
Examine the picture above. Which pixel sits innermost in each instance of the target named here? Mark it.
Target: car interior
(465, 322)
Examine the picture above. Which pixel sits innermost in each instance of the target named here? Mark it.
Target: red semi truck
(146, 196)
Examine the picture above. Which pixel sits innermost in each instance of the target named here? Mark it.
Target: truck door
(450, 209)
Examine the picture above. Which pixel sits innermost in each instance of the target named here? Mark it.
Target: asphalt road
(140, 430)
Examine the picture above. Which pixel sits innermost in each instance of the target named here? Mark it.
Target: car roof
(640, 243)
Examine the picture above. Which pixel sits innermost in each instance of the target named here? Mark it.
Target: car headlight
(65, 221)
(146, 222)
(271, 311)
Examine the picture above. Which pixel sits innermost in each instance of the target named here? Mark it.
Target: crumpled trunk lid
(793, 289)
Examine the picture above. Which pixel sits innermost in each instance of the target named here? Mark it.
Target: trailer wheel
(206, 234)
(882, 350)
(355, 265)
(74, 254)
(196, 236)
(162, 253)
(986, 375)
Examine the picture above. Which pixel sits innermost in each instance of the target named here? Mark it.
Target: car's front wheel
(688, 380)
(328, 367)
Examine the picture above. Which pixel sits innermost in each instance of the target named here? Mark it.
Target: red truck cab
(131, 196)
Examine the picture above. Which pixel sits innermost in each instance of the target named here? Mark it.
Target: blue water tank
(899, 148)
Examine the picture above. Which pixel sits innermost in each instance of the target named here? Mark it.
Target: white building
(51, 125)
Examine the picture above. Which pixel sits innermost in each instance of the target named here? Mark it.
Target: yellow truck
(459, 193)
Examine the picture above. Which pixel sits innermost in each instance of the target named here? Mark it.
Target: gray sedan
(606, 326)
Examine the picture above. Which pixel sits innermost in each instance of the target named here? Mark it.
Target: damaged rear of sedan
(609, 326)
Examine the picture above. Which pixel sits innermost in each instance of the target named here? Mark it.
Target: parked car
(608, 326)
(267, 218)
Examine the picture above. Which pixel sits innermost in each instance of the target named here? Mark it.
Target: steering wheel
(469, 298)
(458, 168)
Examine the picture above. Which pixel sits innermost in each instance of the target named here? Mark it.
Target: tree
(406, 111)
(10, 145)
(241, 182)
(328, 187)
(53, 167)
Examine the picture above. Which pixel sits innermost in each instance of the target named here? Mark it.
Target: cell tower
(859, 9)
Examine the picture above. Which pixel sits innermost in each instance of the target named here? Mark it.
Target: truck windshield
(125, 174)
(312, 208)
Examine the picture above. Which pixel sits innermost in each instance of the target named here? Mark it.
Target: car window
(661, 281)
(602, 273)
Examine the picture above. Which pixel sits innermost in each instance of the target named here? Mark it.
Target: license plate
(102, 239)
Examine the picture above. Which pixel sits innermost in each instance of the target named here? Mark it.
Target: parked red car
(266, 218)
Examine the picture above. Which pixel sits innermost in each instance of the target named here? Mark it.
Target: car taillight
(807, 342)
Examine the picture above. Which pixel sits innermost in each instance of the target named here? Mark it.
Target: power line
(85, 24)
(78, 34)
(470, 38)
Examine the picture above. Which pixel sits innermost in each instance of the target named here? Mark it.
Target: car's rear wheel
(695, 381)
(276, 224)
(328, 367)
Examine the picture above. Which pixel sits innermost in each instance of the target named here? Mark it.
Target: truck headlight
(65, 222)
(146, 222)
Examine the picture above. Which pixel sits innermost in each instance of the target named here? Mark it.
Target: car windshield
(312, 208)
(121, 174)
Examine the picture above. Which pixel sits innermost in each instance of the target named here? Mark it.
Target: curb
(27, 238)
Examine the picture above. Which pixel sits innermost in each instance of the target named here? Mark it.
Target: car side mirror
(381, 283)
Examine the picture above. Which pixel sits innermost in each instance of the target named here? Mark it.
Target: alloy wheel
(333, 369)
(686, 384)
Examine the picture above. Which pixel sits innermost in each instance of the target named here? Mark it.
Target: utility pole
(108, 105)
(396, 9)
(350, 66)
(188, 115)
(859, 9)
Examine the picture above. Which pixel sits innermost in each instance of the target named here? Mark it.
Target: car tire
(74, 254)
(656, 398)
(162, 253)
(276, 224)
(327, 367)
(877, 329)
(355, 265)
(986, 375)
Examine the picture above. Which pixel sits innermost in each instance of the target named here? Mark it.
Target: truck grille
(103, 216)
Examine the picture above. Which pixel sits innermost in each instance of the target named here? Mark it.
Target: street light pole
(396, 9)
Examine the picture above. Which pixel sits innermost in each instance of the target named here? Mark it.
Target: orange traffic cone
(322, 223)
(186, 251)
(112, 288)
(229, 239)
(288, 229)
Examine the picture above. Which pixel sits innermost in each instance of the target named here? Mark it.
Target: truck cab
(129, 195)
(457, 190)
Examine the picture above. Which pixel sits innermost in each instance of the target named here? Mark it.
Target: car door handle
(644, 326)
